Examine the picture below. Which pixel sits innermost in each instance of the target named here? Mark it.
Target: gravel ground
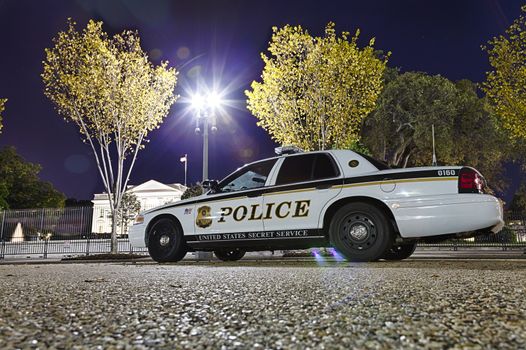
(412, 304)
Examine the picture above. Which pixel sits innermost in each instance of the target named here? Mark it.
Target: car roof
(335, 153)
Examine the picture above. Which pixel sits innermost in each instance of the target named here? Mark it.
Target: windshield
(251, 176)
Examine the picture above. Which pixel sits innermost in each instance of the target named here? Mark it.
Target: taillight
(470, 181)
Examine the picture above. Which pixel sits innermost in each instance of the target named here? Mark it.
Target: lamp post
(205, 108)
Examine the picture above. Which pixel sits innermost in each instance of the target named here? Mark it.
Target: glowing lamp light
(197, 101)
(214, 100)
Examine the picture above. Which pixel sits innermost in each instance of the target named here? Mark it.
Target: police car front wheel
(361, 232)
(229, 254)
(165, 241)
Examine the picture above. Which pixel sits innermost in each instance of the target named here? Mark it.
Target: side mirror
(210, 185)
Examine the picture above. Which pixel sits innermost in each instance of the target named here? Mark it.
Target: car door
(303, 185)
(236, 207)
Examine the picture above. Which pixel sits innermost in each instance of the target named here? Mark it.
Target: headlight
(139, 219)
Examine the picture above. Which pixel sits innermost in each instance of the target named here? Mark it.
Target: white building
(150, 194)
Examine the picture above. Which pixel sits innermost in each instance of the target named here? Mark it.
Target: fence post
(87, 244)
(2, 227)
(2, 254)
(81, 221)
(42, 221)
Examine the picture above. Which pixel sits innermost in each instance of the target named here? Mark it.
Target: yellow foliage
(2, 107)
(505, 85)
(316, 91)
(108, 87)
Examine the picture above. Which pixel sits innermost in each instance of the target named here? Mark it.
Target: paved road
(476, 304)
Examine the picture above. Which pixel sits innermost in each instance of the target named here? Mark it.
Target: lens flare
(319, 258)
(336, 255)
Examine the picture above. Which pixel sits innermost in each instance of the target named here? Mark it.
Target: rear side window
(324, 167)
(308, 167)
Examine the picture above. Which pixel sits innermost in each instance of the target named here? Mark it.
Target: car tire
(361, 232)
(166, 241)
(229, 254)
(400, 251)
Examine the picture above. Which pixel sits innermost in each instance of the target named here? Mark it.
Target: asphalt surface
(434, 304)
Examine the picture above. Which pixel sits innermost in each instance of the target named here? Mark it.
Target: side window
(296, 169)
(324, 167)
(252, 176)
(308, 167)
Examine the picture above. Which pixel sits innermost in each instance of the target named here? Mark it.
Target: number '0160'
(446, 173)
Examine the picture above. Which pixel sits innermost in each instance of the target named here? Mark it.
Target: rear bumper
(447, 214)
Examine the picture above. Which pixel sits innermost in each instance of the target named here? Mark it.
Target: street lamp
(205, 106)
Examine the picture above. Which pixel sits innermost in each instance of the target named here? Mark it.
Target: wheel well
(157, 218)
(329, 213)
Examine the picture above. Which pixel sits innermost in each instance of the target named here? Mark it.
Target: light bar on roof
(287, 150)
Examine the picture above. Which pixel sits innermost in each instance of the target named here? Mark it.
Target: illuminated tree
(315, 91)
(110, 90)
(2, 107)
(505, 83)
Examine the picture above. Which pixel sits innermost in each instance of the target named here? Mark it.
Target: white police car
(336, 198)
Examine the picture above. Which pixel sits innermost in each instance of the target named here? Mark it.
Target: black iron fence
(67, 247)
(47, 232)
(45, 224)
(68, 231)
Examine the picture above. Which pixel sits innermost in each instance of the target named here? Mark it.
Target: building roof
(150, 186)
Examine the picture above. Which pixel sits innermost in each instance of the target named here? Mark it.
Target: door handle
(323, 187)
(253, 195)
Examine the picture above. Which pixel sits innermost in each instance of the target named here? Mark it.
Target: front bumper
(136, 235)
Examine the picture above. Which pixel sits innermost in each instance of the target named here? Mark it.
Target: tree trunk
(114, 246)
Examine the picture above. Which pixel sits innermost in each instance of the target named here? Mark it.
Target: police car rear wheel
(229, 254)
(165, 241)
(361, 232)
(400, 252)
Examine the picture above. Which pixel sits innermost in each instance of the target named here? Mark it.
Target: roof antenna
(434, 154)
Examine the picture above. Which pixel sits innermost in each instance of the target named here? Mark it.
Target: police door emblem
(203, 217)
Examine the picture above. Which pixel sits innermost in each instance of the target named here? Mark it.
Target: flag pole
(185, 161)
(185, 167)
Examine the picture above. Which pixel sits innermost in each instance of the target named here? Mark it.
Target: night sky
(220, 41)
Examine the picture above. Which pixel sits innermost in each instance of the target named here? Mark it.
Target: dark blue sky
(221, 39)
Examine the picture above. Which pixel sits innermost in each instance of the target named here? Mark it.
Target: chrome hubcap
(164, 240)
(359, 232)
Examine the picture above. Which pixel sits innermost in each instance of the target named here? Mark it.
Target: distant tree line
(20, 185)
